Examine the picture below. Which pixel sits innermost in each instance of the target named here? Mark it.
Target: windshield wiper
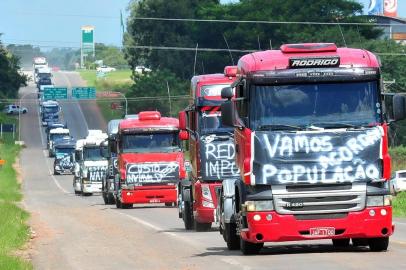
(279, 127)
(336, 125)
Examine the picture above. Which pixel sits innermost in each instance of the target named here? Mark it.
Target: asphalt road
(74, 232)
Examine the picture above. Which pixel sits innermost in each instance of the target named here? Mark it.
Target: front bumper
(287, 228)
(150, 195)
(63, 170)
(92, 187)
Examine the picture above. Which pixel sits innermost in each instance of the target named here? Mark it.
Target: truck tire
(187, 216)
(248, 248)
(378, 244)
(168, 204)
(127, 205)
(110, 198)
(77, 192)
(105, 199)
(202, 227)
(341, 242)
(118, 204)
(230, 236)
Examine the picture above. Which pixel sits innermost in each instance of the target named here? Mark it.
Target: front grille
(324, 201)
(321, 216)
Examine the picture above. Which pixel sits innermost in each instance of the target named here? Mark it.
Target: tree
(237, 35)
(111, 55)
(155, 85)
(10, 78)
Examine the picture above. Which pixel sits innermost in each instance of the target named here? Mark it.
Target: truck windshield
(326, 105)
(92, 153)
(64, 151)
(51, 109)
(150, 142)
(54, 137)
(210, 122)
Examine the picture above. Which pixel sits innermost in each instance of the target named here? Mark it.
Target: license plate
(155, 201)
(322, 231)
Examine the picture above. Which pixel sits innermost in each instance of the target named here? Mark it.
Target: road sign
(88, 40)
(84, 92)
(51, 93)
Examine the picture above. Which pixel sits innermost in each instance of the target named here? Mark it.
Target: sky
(57, 22)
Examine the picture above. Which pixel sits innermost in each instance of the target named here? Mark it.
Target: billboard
(87, 40)
(391, 8)
(375, 7)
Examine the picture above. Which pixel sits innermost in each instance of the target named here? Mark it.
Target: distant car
(105, 69)
(142, 69)
(14, 109)
(399, 181)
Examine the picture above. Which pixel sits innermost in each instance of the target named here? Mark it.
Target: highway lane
(77, 232)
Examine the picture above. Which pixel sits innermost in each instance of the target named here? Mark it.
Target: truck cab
(77, 158)
(150, 160)
(55, 134)
(108, 186)
(311, 138)
(93, 164)
(211, 150)
(49, 112)
(63, 162)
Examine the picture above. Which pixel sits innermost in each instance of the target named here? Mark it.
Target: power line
(214, 20)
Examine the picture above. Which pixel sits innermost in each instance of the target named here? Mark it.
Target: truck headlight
(385, 200)
(253, 206)
(206, 193)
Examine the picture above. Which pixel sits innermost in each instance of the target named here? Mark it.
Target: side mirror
(227, 93)
(227, 112)
(399, 107)
(182, 120)
(183, 135)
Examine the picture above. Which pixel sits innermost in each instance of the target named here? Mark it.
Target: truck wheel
(359, 242)
(187, 216)
(110, 198)
(378, 244)
(77, 192)
(202, 227)
(55, 172)
(118, 203)
(169, 204)
(341, 242)
(105, 199)
(230, 236)
(248, 248)
(127, 205)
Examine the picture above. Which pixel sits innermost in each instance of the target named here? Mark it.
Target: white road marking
(400, 223)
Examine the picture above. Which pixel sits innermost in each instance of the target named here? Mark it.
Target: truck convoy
(311, 138)
(49, 111)
(211, 148)
(90, 163)
(63, 162)
(150, 160)
(108, 186)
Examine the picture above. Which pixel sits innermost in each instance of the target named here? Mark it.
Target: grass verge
(116, 81)
(398, 155)
(14, 232)
(8, 137)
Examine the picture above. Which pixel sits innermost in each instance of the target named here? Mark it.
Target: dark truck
(311, 138)
(63, 162)
(108, 187)
(211, 148)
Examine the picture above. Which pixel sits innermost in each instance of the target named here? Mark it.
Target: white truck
(91, 163)
(37, 64)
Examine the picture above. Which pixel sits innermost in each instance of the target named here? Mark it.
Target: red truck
(211, 148)
(150, 160)
(311, 138)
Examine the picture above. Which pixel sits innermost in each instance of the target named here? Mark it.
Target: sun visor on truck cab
(202, 102)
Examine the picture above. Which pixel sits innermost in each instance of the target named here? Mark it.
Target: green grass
(14, 231)
(398, 155)
(115, 77)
